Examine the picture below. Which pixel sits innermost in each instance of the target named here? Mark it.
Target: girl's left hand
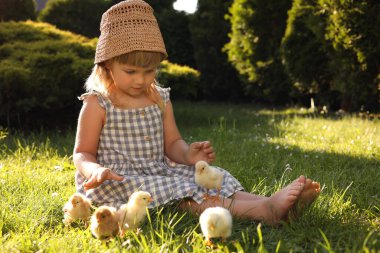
(200, 151)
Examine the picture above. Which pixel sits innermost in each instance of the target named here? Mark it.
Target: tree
(78, 16)
(17, 10)
(209, 32)
(257, 27)
(331, 50)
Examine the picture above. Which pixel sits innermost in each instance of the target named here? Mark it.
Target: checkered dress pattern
(131, 144)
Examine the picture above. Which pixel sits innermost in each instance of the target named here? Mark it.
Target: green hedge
(183, 80)
(43, 69)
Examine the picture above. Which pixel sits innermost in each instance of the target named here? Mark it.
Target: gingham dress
(131, 144)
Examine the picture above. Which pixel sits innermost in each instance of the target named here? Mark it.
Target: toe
(308, 184)
(301, 179)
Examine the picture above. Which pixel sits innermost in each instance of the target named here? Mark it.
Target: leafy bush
(78, 16)
(17, 10)
(183, 80)
(41, 70)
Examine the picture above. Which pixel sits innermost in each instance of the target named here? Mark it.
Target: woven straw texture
(128, 26)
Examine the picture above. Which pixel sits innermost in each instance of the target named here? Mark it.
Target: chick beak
(212, 227)
(150, 200)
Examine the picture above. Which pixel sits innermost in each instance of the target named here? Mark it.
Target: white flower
(58, 167)
(54, 194)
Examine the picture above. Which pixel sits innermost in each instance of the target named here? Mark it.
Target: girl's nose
(140, 78)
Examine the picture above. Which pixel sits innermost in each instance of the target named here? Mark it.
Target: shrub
(17, 10)
(183, 80)
(41, 70)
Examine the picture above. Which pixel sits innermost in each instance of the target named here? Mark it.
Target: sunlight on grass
(264, 149)
(350, 136)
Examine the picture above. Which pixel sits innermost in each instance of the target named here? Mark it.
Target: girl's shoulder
(164, 92)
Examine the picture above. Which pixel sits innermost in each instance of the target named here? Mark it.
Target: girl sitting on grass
(126, 129)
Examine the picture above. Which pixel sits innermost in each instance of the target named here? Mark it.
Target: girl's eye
(129, 71)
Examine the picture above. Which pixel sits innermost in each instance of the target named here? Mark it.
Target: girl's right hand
(100, 175)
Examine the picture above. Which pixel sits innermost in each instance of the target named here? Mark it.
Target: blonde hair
(100, 79)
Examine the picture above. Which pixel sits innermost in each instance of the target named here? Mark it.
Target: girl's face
(131, 80)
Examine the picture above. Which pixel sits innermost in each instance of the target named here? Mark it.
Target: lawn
(264, 149)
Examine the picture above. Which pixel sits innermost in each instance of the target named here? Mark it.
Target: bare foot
(282, 201)
(308, 195)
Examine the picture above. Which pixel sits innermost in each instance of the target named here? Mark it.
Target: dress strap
(102, 101)
(164, 92)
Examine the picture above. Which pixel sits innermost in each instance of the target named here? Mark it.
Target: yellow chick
(208, 177)
(132, 214)
(216, 222)
(78, 207)
(104, 223)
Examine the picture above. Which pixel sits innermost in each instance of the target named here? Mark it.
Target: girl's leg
(271, 210)
(240, 195)
(310, 192)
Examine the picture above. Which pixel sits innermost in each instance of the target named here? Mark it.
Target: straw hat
(128, 26)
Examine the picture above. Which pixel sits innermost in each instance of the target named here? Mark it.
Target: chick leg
(218, 194)
(208, 242)
(86, 223)
(67, 219)
(206, 195)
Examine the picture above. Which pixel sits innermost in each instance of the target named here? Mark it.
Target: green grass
(264, 149)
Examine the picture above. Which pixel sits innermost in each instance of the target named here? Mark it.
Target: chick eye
(144, 198)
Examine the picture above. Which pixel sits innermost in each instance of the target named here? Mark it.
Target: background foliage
(209, 33)
(331, 51)
(257, 27)
(17, 10)
(43, 69)
(79, 16)
(255, 51)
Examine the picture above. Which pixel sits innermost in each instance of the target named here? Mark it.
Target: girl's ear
(107, 65)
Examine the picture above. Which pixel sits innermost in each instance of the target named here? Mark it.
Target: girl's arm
(90, 123)
(177, 149)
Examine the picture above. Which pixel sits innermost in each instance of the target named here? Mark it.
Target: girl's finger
(115, 176)
(89, 184)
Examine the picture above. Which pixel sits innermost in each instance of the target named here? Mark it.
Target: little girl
(127, 131)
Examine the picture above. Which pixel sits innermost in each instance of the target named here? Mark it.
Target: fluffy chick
(132, 214)
(78, 207)
(208, 177)
(104, 223)
(216, 222)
